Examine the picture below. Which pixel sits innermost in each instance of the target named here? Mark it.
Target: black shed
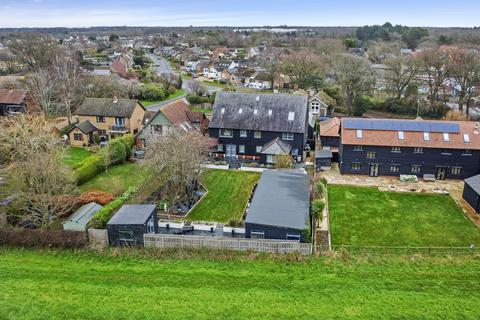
(130, 223)
(323, 158)
(280, 207)
(471, 192)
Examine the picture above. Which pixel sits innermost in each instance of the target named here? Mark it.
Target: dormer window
(359, 134)
(291, 116)
(426, 136)
(446, 137)
(466, 138)
(401, 135)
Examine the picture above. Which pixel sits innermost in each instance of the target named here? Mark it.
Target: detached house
(259, 127)
(107, 119)
(12, 101)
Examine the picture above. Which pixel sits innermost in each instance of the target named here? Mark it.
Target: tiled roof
(330, 128)
(86, 127)
(107, 107)
(14, 96)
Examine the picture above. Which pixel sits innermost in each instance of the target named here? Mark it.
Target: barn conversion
(471, 192)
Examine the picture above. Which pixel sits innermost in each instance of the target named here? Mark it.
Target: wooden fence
(223, 243)
(98, 236)
(399, 250)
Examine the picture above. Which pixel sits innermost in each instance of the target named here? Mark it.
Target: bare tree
(195, 87)
(400, 73)
(302, 64)
(10, 61)
(42, 85)
(434, 66)
(354, 76)
(34, 50)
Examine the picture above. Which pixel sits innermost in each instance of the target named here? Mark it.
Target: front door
(230, 150)
(373, 169)
(441, 173)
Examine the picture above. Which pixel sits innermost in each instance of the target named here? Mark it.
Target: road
(156, 107)
(162, 67)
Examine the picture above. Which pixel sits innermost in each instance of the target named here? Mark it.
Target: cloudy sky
(85, 13)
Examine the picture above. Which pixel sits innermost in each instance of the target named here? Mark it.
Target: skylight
(446, 137)
(255, 111)
(270, 112)
(240, 110)
(223, 110)
(401, 135)
(291, 116)
(359, 134)
(466, 137)
(426, 136)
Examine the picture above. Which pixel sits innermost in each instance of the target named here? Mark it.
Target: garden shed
(323, 158)
(471, 192)
(130, 223)
(80, 219)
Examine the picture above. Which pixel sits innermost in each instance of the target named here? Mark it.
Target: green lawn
(176, 94)
(117, 179)
(369, 217)
(74, 155)
(88, 285)
(228, 194)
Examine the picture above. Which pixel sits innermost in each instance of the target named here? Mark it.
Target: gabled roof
(84, 214)
(277, 146)
(133, 214)
(265, 112)
(108, 107)
(85, 126)
(282, 199)
(13, 96)
(474, 183)
(176, 112)
(330, 127)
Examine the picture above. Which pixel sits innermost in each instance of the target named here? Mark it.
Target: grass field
(117, 179)
(228, 193)
(74, 155)
(368, 217)
(176, 94)
(87, 285)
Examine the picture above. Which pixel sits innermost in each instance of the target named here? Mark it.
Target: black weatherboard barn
(280, 207)
(259, 126)
(130, 223)
(471, 192)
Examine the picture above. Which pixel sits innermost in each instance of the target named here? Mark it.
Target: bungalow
(12, 101)
(106, 118)
(393, 147)
(259, 126)
(280, 207)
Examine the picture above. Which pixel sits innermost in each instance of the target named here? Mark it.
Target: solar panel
(401, 125)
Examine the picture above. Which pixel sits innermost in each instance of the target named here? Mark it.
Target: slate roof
(323, 154)
(85, 126)
(14, 96)
(474, 183)
(133, 214)
(279, 104)
(107, 107)
(84, 214)
(277, 146)
(282, 199)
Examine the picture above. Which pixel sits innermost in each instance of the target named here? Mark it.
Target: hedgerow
(102, 216)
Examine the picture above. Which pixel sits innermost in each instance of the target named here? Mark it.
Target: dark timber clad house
(330, 136)
(440, 149)
(127, 226)
(12, 101)
(280, 207)
(471, 192)
(259, 126)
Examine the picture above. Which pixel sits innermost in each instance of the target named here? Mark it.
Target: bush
(89, 168)
(99, 197)
(103, 215)
(129, 141)
(319, 190)
(43, 238)
(153, 92)
(317, 209)
(117, 151)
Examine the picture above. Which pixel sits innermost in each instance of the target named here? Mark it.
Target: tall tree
(400, 73)
(42, 85)
(302, 65)
(35, 50)
(434, 66)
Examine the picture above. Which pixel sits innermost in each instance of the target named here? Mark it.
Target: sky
(87, 13)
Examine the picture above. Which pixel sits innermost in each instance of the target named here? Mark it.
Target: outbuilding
(280, 207)
(80, 219)
(471, 192)
(130, 223)
(323, 159)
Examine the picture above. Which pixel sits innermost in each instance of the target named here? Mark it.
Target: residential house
(106, 118)
(12, 101)
(392, 147)
(122, 64)
(202, 68)
(259, 80)
(175, 115)
(259, 127)
(280, 207)
(130, 223)
(317, 105)
(329, 136)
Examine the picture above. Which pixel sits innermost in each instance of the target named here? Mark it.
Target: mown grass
(228, 193)
(368, 217)
(89, 285)
(73, 155)
(117, 179)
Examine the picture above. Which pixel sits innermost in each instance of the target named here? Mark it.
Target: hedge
(43, 238)
(103, 215)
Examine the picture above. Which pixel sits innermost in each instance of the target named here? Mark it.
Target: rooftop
(107, 107)
(133, 214)
(85, 213)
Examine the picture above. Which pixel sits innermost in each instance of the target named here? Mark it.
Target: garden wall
(194, 242)
(98, 236)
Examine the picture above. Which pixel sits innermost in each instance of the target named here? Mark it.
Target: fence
(98, 236)
(239, 244)
(400, 250)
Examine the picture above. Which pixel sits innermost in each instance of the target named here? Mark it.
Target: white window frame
(396, 150)
(257, 234)
(356, 166)
(222, 133)
(257, 134)
(401, 135)
(359, 134)
(357, 148)
(457, 170)
(418, 150)
(426, 136)
(243, 133)
(466, 138)
(418, 166)
(258, 149)
(370, 153)
(293, 237)
(271, 159)
(287, 136)
(241, 148)
(446, 137)
(220, 147)
(397, 166)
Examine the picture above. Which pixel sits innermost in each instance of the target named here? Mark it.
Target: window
(467, 152)
(359, 134)
(256, 234)
(100, 119)
(446, 152)
(401, 135)
(259, 148)
(446, 137)
(78, 137)
(295, 237)
(291, 116)
(396, 149)
(151, 226)
(119, 122)
(243, 133)
(271, 159)
(357, 148)
(220, 147)
(416, 168)
(158, 129)
(426, 136)
(222, 111)
(418, 150)
(315, 106)
(287, 136)
(125, 236)
(356, 166)
(371, 155)
(257, 134)
(226, 133)
(466, 138)
(241, 148)
(394, 168)
(456, 171)
(295, 152)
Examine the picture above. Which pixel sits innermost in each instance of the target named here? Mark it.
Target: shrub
(99, 197)
(89, 167)
(153, 92)
(103, 215)
(319, 190)
(117, 151)
(317, 209)
(284, 161)
(43, 238)
(128, 140)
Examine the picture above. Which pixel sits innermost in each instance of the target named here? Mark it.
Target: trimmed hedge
(43, 238)
(100, 219)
